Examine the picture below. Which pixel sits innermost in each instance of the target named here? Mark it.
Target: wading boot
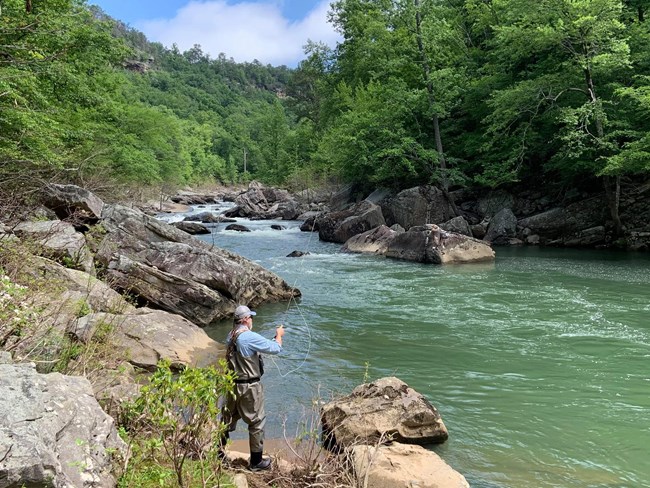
(258, 463)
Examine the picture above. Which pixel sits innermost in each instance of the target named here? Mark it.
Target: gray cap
(243, 311)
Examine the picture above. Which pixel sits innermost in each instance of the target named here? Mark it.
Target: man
(244, 355)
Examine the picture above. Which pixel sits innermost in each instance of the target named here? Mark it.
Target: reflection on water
(538, 363)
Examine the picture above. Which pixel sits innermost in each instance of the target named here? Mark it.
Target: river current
(539, 363)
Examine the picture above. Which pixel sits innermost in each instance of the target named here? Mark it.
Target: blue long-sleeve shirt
(250, 342)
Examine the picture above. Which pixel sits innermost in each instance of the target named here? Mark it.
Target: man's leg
(229, 417)
(251, 409)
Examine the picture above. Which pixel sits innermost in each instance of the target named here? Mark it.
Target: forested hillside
(455, 93)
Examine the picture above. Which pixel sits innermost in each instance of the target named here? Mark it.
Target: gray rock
(60, 241)
(340, 226)
(53, 432)
(278, 227)
(311, 223)
(503, 226)
(458, 225)
(386, 407)
(237, 228)
(193, 228)
(374, 241)
(259, 202)
(553, 225)
(205, 217)
(494, 202)
(430, 244)
(297, 254)
(180, 273)
(146, 336)
(479, 230)
(417, 206)
(397, 228)
(72, 202)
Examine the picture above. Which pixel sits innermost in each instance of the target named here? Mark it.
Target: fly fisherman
(244, 356)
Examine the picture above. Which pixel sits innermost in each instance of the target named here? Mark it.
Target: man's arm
(260, 344)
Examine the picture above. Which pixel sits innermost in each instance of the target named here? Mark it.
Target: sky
(271, 31)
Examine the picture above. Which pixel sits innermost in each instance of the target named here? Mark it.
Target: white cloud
(244, 31)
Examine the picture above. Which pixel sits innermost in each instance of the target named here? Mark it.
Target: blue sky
(271, 31)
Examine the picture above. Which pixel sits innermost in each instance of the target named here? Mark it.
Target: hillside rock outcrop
(52, 431)
(179, 273)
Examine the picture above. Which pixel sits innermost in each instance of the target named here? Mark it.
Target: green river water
(539, 363)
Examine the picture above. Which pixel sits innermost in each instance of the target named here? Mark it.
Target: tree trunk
(28, 6)
(613, 194)
(429, 85)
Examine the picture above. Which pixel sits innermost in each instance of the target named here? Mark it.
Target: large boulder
(53, 432)
(402, 465)
(561, 225)
(431, 244)
(374, 241)
(146, 336)
(192, 228)
(72, 202)
(259, 202)
(495, 201)
(502, 228)
(417, 206)
(59, 240)
(385, 409)
(340, 226)
(179, 273)
(459, 225)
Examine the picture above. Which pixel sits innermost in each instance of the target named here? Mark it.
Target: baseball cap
(243, 311)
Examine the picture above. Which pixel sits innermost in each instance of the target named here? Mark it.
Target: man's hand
(279, 331)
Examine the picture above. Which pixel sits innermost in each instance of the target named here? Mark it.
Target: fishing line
(302, 316)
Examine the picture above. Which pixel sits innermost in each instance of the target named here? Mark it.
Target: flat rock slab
(146, 336)
(404, 466)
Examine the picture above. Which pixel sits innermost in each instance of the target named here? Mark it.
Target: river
(538, 363)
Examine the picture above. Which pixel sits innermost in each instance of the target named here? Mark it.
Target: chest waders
(248, 400)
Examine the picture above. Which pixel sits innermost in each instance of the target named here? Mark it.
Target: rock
(340, 226)
(278, 227)
(479, 230)
(60, 241)
(237, 228)
(401, 465)
(146, 336)
(503, 227)
(374, 241)
(311, 223)
(532, 239)
(386, 407)
(259, 202)
(557, 225)
(586, 238)
(53, 432)
(458, 225)
(193, 228)
(430, 244)
(417, 206)
(206, 218)
(297, 254)
(191, 198)
(397, 228)
(180, 273)
(494, 202)
(72, 202)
